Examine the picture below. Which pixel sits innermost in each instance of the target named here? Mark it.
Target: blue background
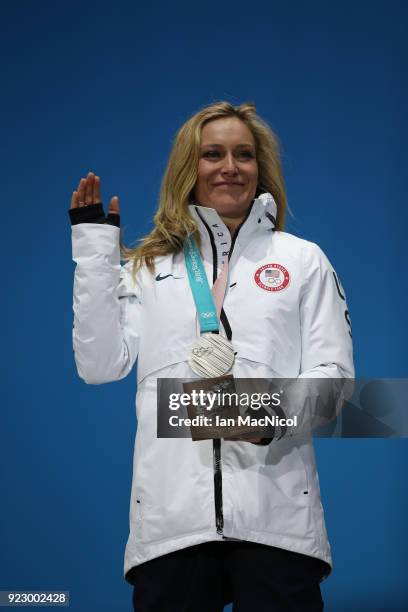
(104, 87)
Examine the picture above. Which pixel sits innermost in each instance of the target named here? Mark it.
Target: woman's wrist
(92, 213)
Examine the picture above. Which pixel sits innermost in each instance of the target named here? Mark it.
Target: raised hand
(89, 192)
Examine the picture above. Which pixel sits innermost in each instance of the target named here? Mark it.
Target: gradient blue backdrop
(104, 87)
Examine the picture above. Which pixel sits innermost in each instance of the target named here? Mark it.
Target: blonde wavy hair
(172, 222)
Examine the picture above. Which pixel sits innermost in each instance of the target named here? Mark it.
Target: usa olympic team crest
(272, 277)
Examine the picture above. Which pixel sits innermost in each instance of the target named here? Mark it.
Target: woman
(216, 520)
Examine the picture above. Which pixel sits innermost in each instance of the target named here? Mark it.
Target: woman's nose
(229, 164)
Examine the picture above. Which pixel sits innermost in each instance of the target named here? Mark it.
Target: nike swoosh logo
(159, 277)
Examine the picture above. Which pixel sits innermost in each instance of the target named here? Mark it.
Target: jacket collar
(215, 234)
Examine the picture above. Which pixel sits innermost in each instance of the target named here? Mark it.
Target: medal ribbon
(208, 302)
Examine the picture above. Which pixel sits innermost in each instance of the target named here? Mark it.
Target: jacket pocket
(163, 364)
(287, 470)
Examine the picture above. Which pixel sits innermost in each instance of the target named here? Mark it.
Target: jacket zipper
(219, 516)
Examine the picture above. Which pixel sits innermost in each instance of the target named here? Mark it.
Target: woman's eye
(245, 154)
(211, 154)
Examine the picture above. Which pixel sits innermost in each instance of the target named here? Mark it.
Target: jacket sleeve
(326, 376)
(106, 305)
(326, 345)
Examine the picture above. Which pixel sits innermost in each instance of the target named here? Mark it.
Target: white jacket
(185, 492)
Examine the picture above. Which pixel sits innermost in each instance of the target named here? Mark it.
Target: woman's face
(228, 171)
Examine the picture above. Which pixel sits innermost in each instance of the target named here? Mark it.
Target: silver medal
(211, 355)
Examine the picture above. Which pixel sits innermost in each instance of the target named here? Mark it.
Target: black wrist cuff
(113, 219)
(92, 213)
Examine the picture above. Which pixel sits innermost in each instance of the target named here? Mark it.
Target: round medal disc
(211, 355)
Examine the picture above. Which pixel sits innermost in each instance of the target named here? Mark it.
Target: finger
(81, 192)
(74, 199)
(97, 190)
(90, 179)
(114, 205)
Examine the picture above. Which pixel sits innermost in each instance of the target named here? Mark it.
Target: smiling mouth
(229, 184)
